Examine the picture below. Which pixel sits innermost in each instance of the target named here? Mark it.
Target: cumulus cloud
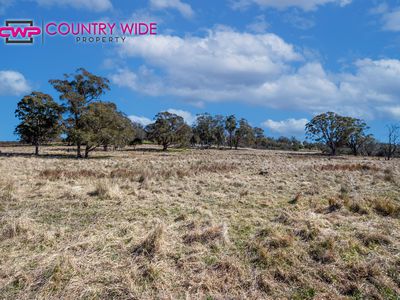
(187, 116)
(306, 5)
(209, 67)
(184, 8)
(140, 119)
(260, 69)
(13, 83)
(93, 5)
(286, 127)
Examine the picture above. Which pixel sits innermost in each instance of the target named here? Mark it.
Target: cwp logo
(19, 31)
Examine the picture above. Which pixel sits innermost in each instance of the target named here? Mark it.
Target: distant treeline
(83, 120)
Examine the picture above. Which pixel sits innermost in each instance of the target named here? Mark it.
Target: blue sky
(274, 62)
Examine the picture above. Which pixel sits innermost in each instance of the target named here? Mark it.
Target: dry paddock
(198, 224)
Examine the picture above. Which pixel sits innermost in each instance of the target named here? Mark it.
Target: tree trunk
(165, 147)
(105, 148)
(36, 149)
(333, 151)
(355, 151)
(78, 150)
(87, 150)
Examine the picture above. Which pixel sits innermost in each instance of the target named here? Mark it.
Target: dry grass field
(193, 224)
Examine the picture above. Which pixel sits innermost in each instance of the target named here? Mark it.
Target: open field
(198, 225)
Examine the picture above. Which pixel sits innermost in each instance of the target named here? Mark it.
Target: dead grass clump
(227, 266)
(55, 276)
(266, 283)
(386, 207)
(210, 234)
(280, 241)
(334, 204)
(307, 233)
(152, 244)
(285, 276)
(285, 218)
(323, 251)
(357, 207)
(106, 190)
(361, 270)
(388, 175)
(225, 273)
(349, 167)
(56, 174)
(296, 198)
(123, 173)
(273, 238)
(344, 193)
(351, 289)
(7, 191)
(373, 238)
(12, 228)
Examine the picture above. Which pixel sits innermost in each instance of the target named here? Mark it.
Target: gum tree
(230, 127)
(40, 119)
(77, 91)
(358, 136)
(331, 129)
(168, 129)
(244, 134)
(104, 125)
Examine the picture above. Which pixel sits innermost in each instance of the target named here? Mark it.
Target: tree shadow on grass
(51, 156)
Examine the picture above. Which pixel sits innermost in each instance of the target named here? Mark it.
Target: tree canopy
(168, 129)
(40, 119)
(77, 91)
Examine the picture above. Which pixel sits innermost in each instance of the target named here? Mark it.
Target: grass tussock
(152, 244)
(323, 251)
(374, 238)
(389, 176)
(386, 207)
(12, 228)
(357, 207)
(7, 189)
(106, 190)
(349, 167)
(207, 235)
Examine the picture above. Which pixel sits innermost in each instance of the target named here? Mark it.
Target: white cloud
(390, 17)
(13, 83)
(187, 116)
(141, 120)
(258, 69)
(393, 111)
(93, 5)
(202, 67)
(306, 5)
(287, 127)
(391, 20)
(184, 8)
(259, 25)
